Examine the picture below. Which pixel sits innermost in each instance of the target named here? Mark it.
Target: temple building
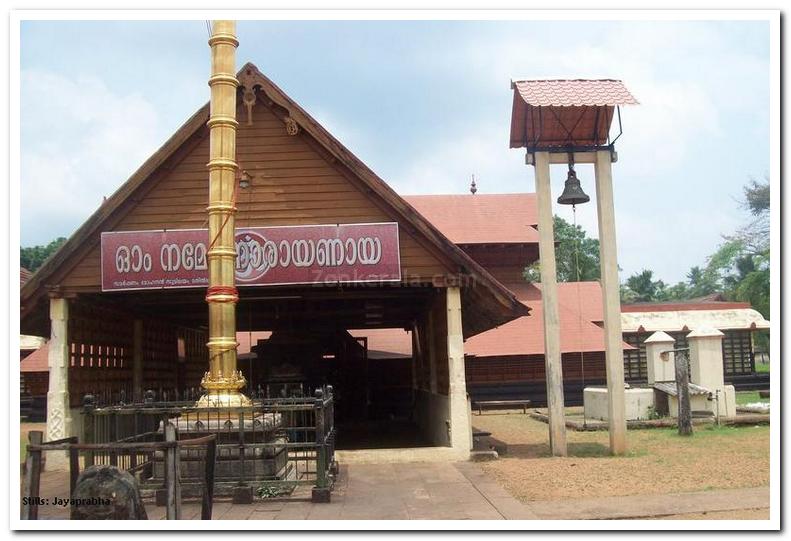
(324, 246)
(408, 305)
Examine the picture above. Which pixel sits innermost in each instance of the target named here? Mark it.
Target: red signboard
(308, 254)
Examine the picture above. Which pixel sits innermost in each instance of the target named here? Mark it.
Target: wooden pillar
(417, 355)
(137, 361)
(611, 298)
(549, 303)
(681, 365)
(431, 351)
(58, 406)
(460, 428)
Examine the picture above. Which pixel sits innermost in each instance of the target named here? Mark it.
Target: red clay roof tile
(481, 218)
(574, 92)
(36, 361)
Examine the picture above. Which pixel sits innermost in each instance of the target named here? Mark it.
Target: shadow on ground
(541, 450)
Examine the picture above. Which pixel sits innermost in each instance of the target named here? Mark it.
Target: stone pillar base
(320, 495)
(243, 495)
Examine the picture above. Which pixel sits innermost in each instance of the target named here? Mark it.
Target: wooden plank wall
(292, 184)
(100, 345)
(101, 342)
(530, 368)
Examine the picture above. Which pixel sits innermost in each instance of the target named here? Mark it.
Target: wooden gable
(300, 174)
(293, 183)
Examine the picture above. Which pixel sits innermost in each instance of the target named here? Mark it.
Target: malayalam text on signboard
(308, 254)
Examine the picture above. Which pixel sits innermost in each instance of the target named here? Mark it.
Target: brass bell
(572, 191)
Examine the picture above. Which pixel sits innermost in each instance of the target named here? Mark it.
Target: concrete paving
(437, 491)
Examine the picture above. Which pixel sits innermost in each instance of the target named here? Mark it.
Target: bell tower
(568, 121)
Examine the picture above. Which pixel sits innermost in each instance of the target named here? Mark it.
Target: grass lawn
(748, 397)
(762, 368)
(659, 461)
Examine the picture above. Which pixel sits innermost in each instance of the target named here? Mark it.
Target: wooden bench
(481, 404)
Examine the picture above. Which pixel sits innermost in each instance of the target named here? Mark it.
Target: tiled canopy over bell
(563, 113)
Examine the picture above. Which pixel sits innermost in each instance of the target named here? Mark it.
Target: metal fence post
(321, 492)
(74, 469)
(208, 479)
(329, 417)
(89, 426)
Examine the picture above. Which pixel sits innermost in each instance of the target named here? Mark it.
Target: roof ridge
(468, 194)
(564, 79)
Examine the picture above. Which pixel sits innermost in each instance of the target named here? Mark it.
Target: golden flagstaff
(223, 381)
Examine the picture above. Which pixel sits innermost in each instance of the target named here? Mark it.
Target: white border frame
(772, 16)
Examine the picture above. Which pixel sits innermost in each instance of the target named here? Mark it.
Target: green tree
(642, 287)
(739, 268)
(741, 263)
(700, 282)
(757, 197)
(33, 257)
(568, 239)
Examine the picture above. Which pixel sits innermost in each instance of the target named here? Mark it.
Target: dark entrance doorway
(374, 399)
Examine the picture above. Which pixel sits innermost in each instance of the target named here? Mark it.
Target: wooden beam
(549, 302)
(611, 299)
(562, 157)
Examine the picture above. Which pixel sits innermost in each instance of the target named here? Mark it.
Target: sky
(425, 104)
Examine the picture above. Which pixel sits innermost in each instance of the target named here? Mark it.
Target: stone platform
(241, 458)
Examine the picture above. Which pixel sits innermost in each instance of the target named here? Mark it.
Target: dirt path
(659, 461)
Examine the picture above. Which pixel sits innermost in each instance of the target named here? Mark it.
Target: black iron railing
(276, 443)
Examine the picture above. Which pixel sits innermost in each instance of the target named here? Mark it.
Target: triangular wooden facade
(300, 175)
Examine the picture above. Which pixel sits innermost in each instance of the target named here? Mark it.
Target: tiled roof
(247, 340)
(583, 296)
(574, 92)
(386, 343)
(678, 306)
(36, 361)
(382, 343)
(525, 336)
(697, 318)
(24, 275)
(481, 218)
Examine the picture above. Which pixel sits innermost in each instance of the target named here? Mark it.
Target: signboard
(309, 254)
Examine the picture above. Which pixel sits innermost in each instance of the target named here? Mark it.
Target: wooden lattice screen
(101, 344)
(737, 353)
(635, 363)
(524, 369)
(100, 350)
(738, 357)
(195, 358)
(160, 354)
